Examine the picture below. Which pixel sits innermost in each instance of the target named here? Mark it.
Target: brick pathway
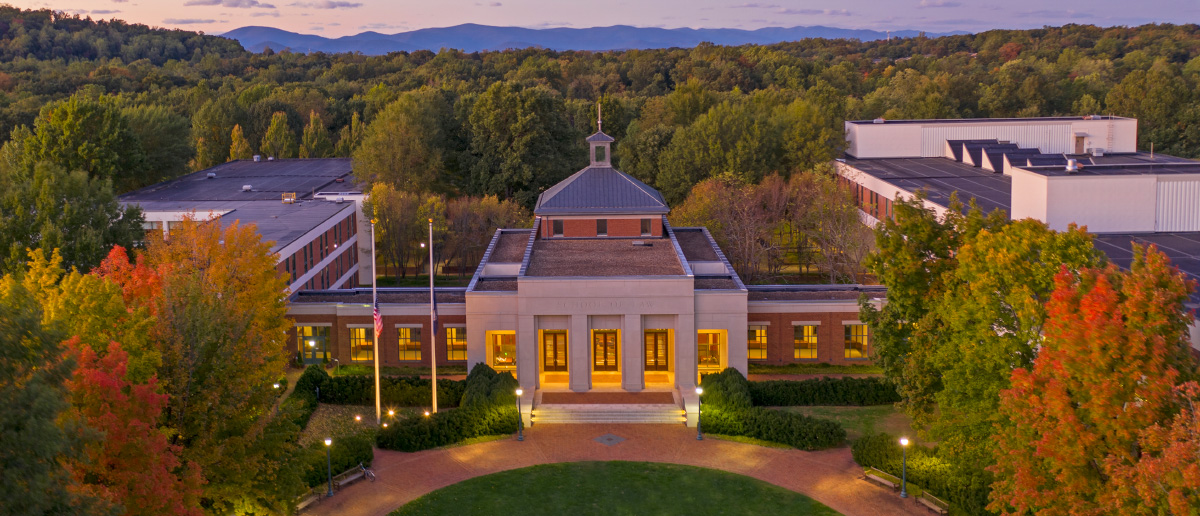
(831, 477)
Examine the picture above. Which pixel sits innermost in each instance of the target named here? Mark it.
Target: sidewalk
(830, 477)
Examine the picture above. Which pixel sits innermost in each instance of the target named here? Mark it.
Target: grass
(860, 421)
(423, 281)
(365, 370)
(821, 368)
(337, 421)
(613, 488)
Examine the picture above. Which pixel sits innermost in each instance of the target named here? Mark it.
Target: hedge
(401, 391)
(926, 469)
(488, 407)
(824, 391)
(345, 453)
(727, 409)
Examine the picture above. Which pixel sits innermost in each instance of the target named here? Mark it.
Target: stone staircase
(608, 413)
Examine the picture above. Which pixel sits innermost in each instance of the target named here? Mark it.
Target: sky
(334, 18)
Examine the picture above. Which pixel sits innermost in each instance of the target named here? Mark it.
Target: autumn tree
(314, 142)
(279, 142)
(1166, 476)
(1114, 345)
(239, 147)
(472, 221)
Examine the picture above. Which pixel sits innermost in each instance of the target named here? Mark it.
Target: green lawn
(821, 368)
(860, 421)
(613, 488)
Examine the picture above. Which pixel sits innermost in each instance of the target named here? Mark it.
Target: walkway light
(391, 413)
(426, 413)
(904, 468)
(699, 391)
(329, 465)
(276, 385)
(358, 418)
(520, 420)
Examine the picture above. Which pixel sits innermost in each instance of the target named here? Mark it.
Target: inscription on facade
(613, 304)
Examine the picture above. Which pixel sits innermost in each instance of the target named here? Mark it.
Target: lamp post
(699, 391)
(904, 468)
(329, 465)
(520, 420)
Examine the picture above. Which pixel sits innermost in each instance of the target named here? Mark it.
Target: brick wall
(339, 337)
(830, 336)
(586, 228)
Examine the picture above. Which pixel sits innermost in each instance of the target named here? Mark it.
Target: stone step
(657, 414)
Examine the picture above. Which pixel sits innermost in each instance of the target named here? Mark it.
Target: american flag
(378, 322)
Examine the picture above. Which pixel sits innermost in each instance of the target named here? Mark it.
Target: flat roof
(362, 296)
(695, 245)
(833, 292)
(600, 257)
(504, 284)
(268, 180)
(1116, 168)
(988, 120)
(1182, 248)
(510, 248)
(281, 223)
(940, 177)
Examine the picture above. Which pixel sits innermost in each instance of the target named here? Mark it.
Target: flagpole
(432, 322)
(375, 319)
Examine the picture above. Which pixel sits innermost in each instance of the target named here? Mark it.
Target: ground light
(391, 413)
(699, 391)
(329, 465)
(357, 418)
(520, 420)
(904, 468)
(276, 385)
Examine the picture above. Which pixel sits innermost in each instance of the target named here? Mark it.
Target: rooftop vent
(1098, 152)
(270, 158)
(1072, 165)
(879, 120)
(247, 188)
(642, 243)
(340, 200)
(257, 158)
(212, 175)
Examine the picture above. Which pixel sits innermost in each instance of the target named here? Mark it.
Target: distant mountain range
(473, 38)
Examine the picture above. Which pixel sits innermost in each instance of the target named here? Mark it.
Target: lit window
(456, 343)
(310, 343)
(601, 227)
(410, 343)
(756, 342)
(362, 344)
(504, 351)
(708, 350)
(805, 341)
(557, 227)
(856, 341)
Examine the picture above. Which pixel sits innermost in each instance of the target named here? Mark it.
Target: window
(600, 153)
(645, 227)
(554, 351)
(601, 227)
(362, 344)
(856, 341)
(604, 350)
(410, 343)
(557, 227)
(310, 343)
(756, 342)
(456, 343)
(708, 350)
(805, 341)
(656, 350)
(504, 351)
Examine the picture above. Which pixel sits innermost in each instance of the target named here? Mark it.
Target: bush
(345, 453)
(403, 391)
(824, 391)
(727, 410)
(488, 407)
(968, 492)
(303, 400)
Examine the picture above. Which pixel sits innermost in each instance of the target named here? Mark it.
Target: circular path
(830, 477)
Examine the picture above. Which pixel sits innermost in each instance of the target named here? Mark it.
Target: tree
(350, 137)
(133, 467)
(1166, 477)
(314, 143)
(163, 137)
(239, 147)
(211, 128)
(398, 226)
(279, 142)
(472, 221)
(404, 146)
(836, 230)
(47, 207)
(1114, 345)
(732, 139)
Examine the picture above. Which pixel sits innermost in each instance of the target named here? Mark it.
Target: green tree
(406, 144)
(211, 128)
(164, 139)
(49, 208)
(731, 139)
(239, 147)
(279, 142)
(350, 137)
(315, 143)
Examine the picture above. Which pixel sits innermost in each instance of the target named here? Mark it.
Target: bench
(313, 497)
(881, 481)
(933, 503)
(347, 478)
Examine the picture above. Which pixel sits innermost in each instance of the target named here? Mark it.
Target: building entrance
(312, 343)
(604, 350)
(554, 351)
(657, 358)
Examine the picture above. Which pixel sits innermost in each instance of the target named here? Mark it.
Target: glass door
(311, 341)
(656, 350)
(708, 351)
(604, 350)
(554, 351)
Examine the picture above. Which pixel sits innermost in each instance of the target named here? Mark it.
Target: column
(633, 362)
(578, 356)
(685, 365)
(527, 353)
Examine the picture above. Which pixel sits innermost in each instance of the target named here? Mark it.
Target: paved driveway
(831, 477)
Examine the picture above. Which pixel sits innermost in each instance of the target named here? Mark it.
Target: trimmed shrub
(727, 410)
(824, 391)
(303, 400)
(488, 407)
(345, 453)
(399, 391)
(926, 469)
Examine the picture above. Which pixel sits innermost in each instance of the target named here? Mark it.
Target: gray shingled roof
(599, 137)
(600, 190)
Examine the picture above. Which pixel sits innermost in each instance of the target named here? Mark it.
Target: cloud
(826, 12)
(244, 4)
(938, 3)
(381, 26)
(754, 6)
(106, 11)
(316, 28)
(273, 14)
(119, 1)
(327, 4)
(186, 21)
(1055, 14)
(495, 4)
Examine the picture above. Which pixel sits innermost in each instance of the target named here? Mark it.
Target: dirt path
(830, 477)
